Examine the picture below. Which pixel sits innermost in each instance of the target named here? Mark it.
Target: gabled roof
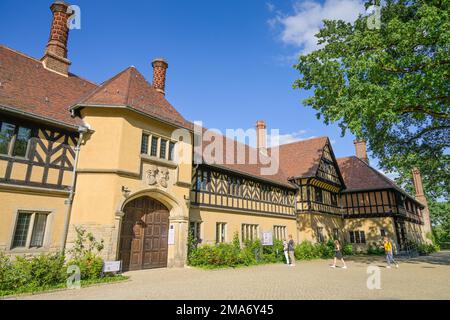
(301, 158)
(130, 89)
(255, 163)
(26, 86)
(359, 176)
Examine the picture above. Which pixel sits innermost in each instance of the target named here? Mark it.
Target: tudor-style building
(118, 160)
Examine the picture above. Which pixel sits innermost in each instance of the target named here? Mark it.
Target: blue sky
(230, 62)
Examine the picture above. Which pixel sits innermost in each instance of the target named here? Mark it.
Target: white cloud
(280, 139)
(300, 27)
(270, 7)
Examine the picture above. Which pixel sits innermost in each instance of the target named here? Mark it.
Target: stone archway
(144, 234)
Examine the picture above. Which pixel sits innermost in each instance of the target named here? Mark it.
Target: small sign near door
(112, 266)
(171, 235)
(267, 239)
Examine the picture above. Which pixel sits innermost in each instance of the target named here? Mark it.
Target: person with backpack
(338, 254)
(388, 249)
(291, 246)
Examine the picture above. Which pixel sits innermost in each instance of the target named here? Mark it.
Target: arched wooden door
(144, 235)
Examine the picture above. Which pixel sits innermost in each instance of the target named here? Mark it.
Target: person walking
(291, 252)
(286, 251)
(388, 249)
(338, 254)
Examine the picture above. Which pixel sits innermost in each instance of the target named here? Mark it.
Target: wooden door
(144, 236)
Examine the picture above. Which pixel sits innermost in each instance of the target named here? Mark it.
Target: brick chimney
(420, 196)
(361, 150)
(160, 67)
(55, 58)
(261, 135)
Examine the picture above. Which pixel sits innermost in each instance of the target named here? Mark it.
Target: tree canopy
(389, 86)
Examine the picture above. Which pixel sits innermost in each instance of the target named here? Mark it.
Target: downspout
(69, 201)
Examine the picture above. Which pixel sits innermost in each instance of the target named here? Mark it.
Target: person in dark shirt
(291, 246)
(338, 254)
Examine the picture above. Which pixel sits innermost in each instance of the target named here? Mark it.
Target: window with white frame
(159, 147)
(279, 232)
(30, 229)
(249, 232)
(221, 232)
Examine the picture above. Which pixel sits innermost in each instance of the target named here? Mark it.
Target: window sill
(159, 161)
(6, 156)
(28, 250)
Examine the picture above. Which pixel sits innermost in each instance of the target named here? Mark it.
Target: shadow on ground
(440, 258)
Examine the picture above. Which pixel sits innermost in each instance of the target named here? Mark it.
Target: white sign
(112, 266)
(267, 239)
(171, 235)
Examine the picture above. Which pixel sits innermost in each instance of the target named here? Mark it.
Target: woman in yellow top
(389, 253)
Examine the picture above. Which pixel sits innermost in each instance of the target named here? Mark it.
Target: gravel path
(421, 278)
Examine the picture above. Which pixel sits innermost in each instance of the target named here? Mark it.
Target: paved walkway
(421, 278)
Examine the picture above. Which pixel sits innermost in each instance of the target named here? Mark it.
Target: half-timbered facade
(117, 160)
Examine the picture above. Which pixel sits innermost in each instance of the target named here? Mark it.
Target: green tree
(389, 86)
(440, 219)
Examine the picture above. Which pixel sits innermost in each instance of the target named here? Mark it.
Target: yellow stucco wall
(371, 227)
(309, 222)
(110, 159)
(12, 201)
(234, 220)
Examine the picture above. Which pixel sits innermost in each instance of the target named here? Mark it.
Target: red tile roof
(28, 87)
(301, 158)
(359, 176)
(254, 163)
(129, 88)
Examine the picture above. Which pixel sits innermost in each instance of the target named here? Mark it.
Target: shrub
(426, 249)
(90, 266)
(347, 249)
(47, 270)
(306, 251)
(232, 255)
(85, 244)
(38, 272)
(85, 254)
(275, 253)
(12, 275)
(375, 249)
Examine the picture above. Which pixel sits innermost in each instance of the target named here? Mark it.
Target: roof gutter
(38, 118)
(125, 107)
(249, 175)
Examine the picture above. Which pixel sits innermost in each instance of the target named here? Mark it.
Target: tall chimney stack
(261, 136)
(361, 150)
(420, 196)
(55, 58)
(160, 67)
